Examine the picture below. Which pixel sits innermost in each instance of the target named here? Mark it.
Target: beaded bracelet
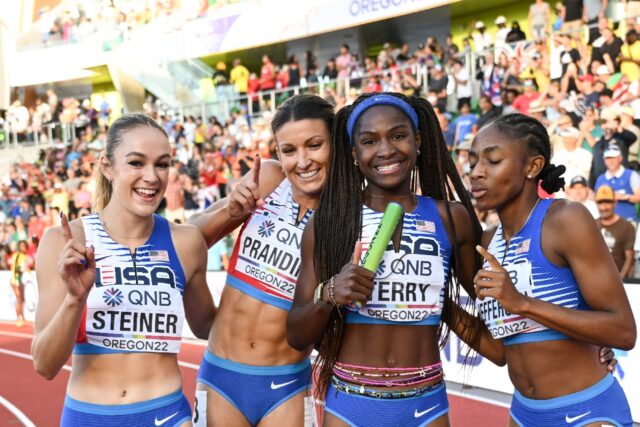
(332, 291)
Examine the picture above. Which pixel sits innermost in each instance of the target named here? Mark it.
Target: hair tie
(376, 100)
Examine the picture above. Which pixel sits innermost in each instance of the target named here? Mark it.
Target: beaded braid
(338, 221)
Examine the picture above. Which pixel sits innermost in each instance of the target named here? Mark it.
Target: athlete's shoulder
(186, 233)
(566, 213)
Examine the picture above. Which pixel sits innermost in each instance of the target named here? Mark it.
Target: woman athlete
(549, 290)
(380, 364)
(250, 374)
(115, 287)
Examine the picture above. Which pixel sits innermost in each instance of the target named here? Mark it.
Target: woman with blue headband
(379, 359)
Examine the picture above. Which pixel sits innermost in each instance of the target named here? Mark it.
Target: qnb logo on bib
(269, 255)
(499, 321)
(407, 288)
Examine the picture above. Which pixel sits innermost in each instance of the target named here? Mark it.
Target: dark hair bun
(551, 177)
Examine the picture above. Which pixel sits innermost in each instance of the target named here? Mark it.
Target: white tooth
(309, 174)
(388, 167)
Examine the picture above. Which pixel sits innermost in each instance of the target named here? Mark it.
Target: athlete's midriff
(251, 332)
(548, 369)
(118, 379)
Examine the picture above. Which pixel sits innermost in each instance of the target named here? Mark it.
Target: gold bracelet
(226, 208)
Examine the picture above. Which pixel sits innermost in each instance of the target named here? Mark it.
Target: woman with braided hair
(549, 289)
(379, 361)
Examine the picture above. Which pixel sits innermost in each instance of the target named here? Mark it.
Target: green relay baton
(378, 246)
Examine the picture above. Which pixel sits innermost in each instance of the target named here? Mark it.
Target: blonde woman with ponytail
(115, 287)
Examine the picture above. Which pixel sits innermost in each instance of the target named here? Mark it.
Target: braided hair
(340, 210)
(530, 131)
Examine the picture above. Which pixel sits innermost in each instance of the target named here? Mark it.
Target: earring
(355, 162)
(529, 176)
(418, 152)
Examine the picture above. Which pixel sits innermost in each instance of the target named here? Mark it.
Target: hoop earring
(355, 162)
(418, 151)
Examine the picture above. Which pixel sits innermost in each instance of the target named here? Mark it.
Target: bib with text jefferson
(409, 284)
(265, 262)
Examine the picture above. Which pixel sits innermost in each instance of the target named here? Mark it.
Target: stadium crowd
(574, 69)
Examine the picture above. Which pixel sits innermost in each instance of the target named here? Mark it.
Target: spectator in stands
(609, 52)
(501, 35)
(539, 19)
(20, 264)
(629, 58)
(573, 16)
(267, 74)
(594, 10)
(464, 123)
(618, 233)
(529, 95)
(624, 182)
(343, 66)
(488, 111)
(438, 86)
(482, 40)
(578, 191)
(590, 129)
(576, 159)
(516, 34)
(330, 71)
(239, 77)
(462, 83)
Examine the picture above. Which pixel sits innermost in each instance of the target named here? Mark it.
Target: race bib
(135, 318)
(499, 321)
(407, 288)
(269, 256)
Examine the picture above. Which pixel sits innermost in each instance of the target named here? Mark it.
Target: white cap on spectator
(609, 114)
(501, 20)
(536, 107)
(602, 70)
(570, 132)
(612, 151)
(479, 25)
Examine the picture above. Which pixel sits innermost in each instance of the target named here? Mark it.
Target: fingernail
(84, 262)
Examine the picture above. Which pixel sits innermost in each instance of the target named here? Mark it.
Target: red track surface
(41, 400)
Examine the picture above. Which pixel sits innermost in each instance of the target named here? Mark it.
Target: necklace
(111, 233)
(508, 242)
(392, 197)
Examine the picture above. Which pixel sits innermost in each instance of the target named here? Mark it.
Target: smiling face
(303, 148)
(139, 171)
(385, 146)
(499, 167)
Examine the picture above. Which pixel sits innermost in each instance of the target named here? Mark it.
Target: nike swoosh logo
(277, 386)
(570, 420)
(158, 422)
(417, 414)
(101, 258)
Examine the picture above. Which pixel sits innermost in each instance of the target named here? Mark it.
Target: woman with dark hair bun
(249, 374)
(549, 289)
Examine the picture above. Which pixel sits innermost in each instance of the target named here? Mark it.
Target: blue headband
(380, 100)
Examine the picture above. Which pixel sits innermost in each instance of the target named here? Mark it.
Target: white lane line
(189, 365)
(26, 422)
(479, 399)
(16, 334)
(26, 356)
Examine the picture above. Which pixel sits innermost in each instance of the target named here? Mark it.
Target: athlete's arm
(462, 323)
(63, 287)
(198, 304)
(307, 320)
(572, 235)
(215, 222)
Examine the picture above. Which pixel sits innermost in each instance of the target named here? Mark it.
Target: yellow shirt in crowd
(240, 78)
(628, 68)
